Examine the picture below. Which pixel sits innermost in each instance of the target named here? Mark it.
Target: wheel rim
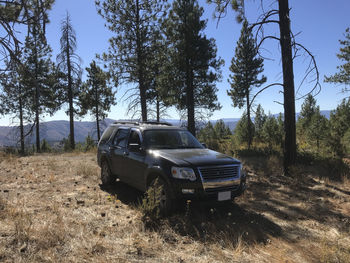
(163, 199)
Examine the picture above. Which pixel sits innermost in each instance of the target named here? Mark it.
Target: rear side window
(121, 138)
(106, 134)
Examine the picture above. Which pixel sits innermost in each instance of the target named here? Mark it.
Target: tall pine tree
(134, 23)
(96, 96)
(38, 72)
(246, 67)
(196, 69)
(69, 64)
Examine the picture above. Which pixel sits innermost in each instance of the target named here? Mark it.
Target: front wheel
(162, 193)
(107, 177)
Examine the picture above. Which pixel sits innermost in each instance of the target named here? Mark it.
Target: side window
(121, 137)
(134, 138)
(106, 134)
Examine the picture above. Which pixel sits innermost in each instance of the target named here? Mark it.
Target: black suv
(141, 154)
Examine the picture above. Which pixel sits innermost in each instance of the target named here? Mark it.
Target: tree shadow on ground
(227, 224)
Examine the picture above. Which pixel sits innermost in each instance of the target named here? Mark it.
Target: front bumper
(199, 191)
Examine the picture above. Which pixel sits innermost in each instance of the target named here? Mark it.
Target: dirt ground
(52, 209)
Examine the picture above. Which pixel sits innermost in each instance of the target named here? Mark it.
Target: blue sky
(321, 24)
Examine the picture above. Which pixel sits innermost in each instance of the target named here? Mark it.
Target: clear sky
(320, 23)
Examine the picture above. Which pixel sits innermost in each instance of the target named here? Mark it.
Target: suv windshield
(170, 139)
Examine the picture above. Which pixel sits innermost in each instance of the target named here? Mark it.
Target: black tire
(107, 178)
(166, 201)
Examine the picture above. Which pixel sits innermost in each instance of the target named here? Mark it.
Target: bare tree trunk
(288, 82)
(70, 98)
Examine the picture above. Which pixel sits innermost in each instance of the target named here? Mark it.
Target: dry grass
(52, 209)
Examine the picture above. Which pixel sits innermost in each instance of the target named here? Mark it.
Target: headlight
(183, 173)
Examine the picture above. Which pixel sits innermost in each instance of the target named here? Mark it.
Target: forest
(160, 48)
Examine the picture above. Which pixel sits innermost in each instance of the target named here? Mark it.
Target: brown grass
(52, 209)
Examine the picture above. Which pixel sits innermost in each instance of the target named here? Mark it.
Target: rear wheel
(107, 177)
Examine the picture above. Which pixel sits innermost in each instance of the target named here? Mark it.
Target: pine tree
(96, 96)
(14, 99)
(343, 75)
(221, 130)
(157, 76)
(259, 120)
(318, 128)
(308, 110)
(209, 136)
(240, 132)
(134, 23)
(195, 66)
(270, 131)
(69, 64)
(246, 67)
(339, 126)
(38, 74)
(280, 17)
(15, 14)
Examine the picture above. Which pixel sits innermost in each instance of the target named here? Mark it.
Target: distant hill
(55, 131)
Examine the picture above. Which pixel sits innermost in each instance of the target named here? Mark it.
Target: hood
(194, 157)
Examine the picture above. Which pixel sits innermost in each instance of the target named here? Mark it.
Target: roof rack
(143, 122)
(156, 123)
(126, 122)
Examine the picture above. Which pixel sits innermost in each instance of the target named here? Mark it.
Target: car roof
(146, 125)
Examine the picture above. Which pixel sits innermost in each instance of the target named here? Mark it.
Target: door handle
(125, 153)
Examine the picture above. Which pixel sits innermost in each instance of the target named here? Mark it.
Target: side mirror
(135, 147)
(204, 145)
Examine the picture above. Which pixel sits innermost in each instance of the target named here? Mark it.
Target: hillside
(52, 209)
(55, 131)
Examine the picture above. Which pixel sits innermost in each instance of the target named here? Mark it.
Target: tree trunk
(37, 100)
(140, 65)
(97, 115)
(37, 119)
(21, 121)
(70, 98)
(190, 104)
(158, 109)
(288, 82)
(249, 123)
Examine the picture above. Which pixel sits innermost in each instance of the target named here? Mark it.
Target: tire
(166, 201)
(107, 178)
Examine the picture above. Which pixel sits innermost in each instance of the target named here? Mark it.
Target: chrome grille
(219, 172)
(215, 178)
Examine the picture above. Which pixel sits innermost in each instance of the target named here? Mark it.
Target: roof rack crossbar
(126, 122)
(156, 122)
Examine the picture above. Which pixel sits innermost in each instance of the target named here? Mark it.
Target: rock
(81, 202)
(103, 214)
(23, 248)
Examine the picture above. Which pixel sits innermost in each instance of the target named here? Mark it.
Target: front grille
(219, 172)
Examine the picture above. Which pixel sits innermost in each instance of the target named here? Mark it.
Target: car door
(134, 162)
(118, 151)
